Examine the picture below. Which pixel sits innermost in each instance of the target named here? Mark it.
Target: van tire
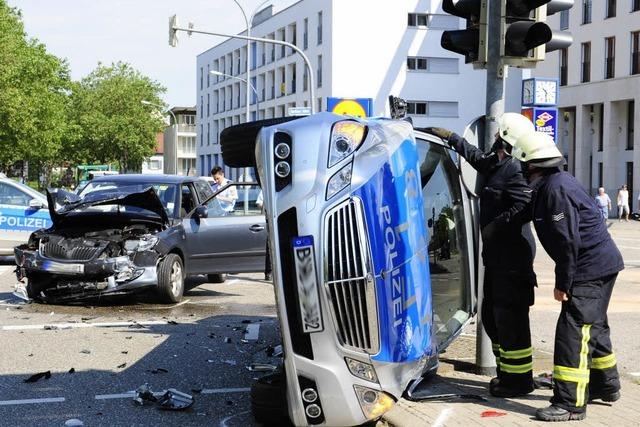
(238, 143)
(269, 400)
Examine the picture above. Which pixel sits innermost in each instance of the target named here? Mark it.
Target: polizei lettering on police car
(397, 281)
(15, 221)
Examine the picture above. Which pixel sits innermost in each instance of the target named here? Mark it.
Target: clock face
(527, 92)
(545, 92)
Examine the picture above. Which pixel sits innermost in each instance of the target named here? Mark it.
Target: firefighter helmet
(512, 126)
(538, 149)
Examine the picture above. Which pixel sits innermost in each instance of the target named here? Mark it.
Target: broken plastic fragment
(492, 414)
(261, 367)
(174, 400)
(74, 422)
(35, 377)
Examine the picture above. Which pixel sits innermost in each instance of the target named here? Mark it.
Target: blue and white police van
(375, 243)
(23, 210)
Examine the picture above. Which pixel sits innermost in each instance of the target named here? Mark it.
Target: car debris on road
(170, 399)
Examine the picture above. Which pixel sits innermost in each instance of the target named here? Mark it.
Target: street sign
(299, 111)
(544, 119)
(357, 107)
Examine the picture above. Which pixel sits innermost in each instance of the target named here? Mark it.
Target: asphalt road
(201, 346)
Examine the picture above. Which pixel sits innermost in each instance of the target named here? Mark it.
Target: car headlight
(346, 137)
(147, 243)
(361, 369)
(374, 403)
(339, 181)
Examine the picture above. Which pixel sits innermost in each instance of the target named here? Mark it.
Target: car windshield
(166, 192)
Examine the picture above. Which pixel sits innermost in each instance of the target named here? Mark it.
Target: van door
(452, 252)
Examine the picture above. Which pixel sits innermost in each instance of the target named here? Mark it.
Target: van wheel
(216, 278)
(238, 143)
(269, 400)
(171, 279)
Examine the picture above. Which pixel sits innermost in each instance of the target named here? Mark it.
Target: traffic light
(525, 34)
(472, 41)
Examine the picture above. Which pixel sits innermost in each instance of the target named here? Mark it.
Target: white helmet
(538, 149)
(512, 126)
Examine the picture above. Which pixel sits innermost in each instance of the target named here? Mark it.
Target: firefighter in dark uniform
(508, 252)
(570, 228)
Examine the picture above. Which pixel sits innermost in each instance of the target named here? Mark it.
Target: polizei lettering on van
(391, 255)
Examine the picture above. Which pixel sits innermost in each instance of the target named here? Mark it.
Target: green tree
(34, 101)
(115, 125)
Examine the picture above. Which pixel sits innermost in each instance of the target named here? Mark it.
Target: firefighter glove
(443, 133)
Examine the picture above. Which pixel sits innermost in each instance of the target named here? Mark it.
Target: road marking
(225, 390)
(166, 307)
(253, 331)
(129, 394)
(442, 418)
(81, 325)
(628, 247)
(5, 268)
(31, 401)
(223, 423)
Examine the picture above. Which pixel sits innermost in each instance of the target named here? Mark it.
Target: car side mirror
(201, 212)
(36, 204)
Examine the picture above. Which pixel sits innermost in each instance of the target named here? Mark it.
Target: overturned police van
(374, 243)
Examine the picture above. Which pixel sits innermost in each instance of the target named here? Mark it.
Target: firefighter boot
(499, 389)
(605, 397)
(555, 413)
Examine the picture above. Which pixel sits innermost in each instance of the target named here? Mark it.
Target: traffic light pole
(485, 361)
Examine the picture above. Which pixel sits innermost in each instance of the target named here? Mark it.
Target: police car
(22, 211)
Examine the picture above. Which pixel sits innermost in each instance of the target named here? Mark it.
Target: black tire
(171, 277)
(269, 400)
(34, 288)
(238, 143)
(216, 278)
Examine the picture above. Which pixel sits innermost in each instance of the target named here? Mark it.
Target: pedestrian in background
(604, 203)
(507, 253)
(570, 228)
(623, 203)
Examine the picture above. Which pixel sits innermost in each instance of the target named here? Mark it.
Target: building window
(564, 19)
(319, 76)
(586, 63)
(635, 52)
(201, 77)
(305, 79)
(635, 5)
(600, 174)
(564, 70)
(319, 104)
(610, 57)
(611, 8)
(433, 65)
(631, 112)
(254, 55)
(438, 22)
(305, 34)
(201, 107)
(201, 135)
(254, 90)
(208, 76)
(292, 72)
(586, 11)
(629, 180)
(433, 108)
(601, 128)
(208, 134)
(283, 48)
(319, 28)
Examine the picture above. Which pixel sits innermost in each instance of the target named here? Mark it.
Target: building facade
(599, 101)
(180, 142)
(155, 163)
(358, 49)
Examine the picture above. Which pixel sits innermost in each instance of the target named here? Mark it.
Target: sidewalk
(456, 372)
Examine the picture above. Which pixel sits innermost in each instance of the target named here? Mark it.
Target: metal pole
(485, 361)
(259, 39)
(175, 132)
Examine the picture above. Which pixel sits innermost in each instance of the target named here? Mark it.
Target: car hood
(146, 199)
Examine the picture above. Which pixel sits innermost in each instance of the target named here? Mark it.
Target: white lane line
(166, 307)
(225, 390)
(5, 268)
(223, 423)
(127, 395)
(82, 325)
(253, 331)
(31, 401)
(442, 418)
(628, 247)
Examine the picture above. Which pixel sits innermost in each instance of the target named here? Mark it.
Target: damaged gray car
(129, 233)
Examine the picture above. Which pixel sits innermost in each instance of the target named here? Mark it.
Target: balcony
(187, 128)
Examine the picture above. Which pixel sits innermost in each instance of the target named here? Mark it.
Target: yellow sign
(349, 107)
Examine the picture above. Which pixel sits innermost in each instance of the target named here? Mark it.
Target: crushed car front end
(344, 204)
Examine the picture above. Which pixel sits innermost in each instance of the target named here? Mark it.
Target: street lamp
(249, 22)
(175, 132)
(253, 88)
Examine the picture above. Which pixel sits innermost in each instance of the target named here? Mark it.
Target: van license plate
(307, 281)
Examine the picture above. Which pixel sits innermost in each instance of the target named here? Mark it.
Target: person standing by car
(508, 252)
(228, 197)
(623, 203)
(570, 228)
(604, 203)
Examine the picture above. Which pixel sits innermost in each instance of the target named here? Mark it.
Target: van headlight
(339, 181)
(361, 369)
(346, 137)
(374, 403)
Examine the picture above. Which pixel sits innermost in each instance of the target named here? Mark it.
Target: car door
(452, 249)
(19, 216)
(228, 241)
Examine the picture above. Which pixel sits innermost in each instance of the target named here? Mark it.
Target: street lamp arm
(218, 73)
(264, 40)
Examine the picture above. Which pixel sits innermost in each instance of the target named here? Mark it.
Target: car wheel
(238, 143)
(216, 278)
(269, 400)
(171, 279)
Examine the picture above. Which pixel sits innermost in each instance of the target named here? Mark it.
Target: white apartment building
(358, 49)
(600, 93)
(180, 156)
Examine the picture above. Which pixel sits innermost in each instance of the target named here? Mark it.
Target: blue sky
(136, 31)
